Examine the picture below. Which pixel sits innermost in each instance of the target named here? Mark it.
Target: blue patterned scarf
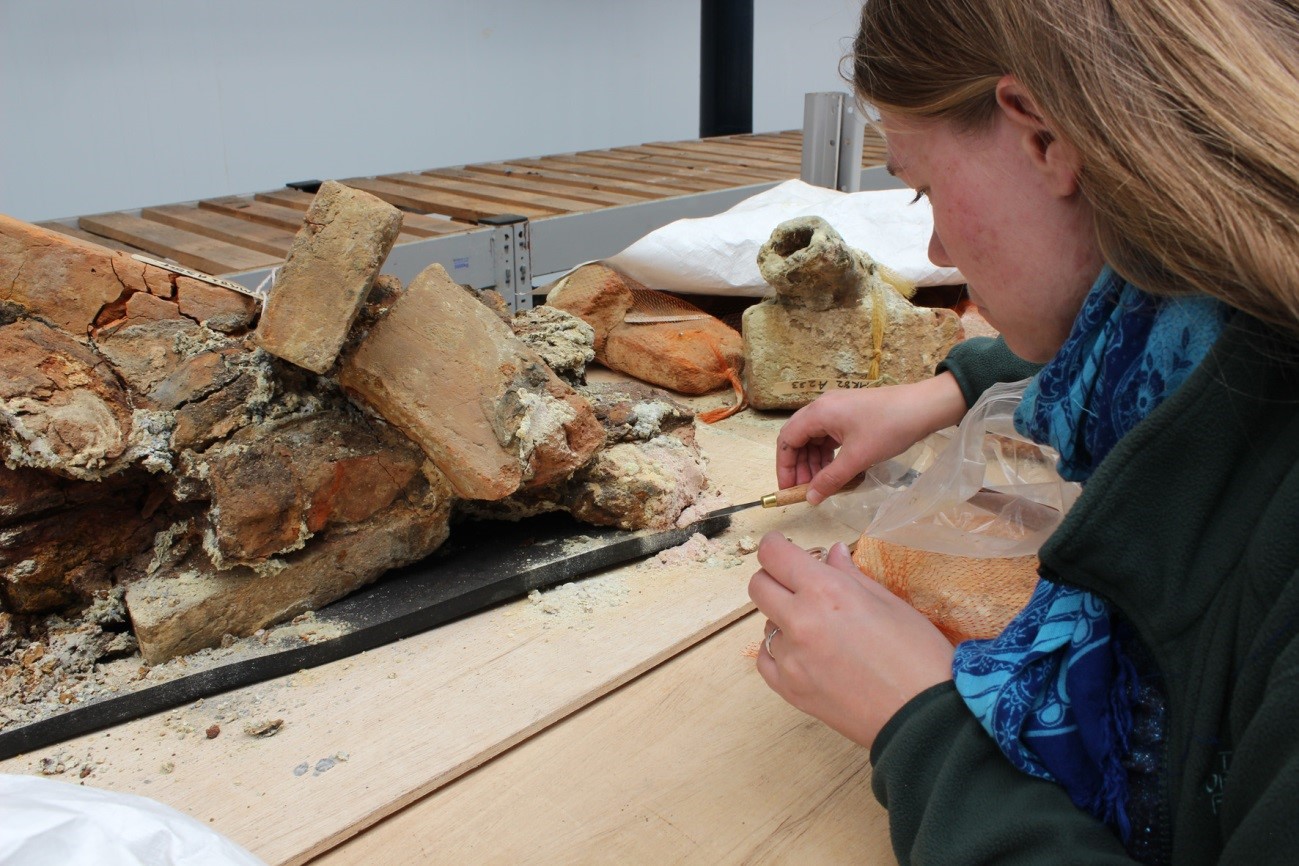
(1055, 689)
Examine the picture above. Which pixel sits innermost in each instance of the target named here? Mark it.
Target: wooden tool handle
(788, 496)
(798, 493)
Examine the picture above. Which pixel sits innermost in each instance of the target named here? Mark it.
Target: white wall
(117, 104)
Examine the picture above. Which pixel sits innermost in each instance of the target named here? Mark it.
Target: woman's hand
(863, 427)
(847, 651)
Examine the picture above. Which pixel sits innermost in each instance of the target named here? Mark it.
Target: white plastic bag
(985, 490)
(718, 255)
(49, 823)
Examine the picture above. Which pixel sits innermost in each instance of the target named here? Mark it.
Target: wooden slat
(626, 188)
(773, 141)
(99, 240)
(730, 148)
(418, 224)
(677, 172)
(695, 168)
(253, 210)
(191, 250)
(620, 170)
(514, 180)
(243, 233)
(507, 200)
(460, 207)
(285, 218)
(694, 164)
(734, 153)
(703, 159)
(294, 198)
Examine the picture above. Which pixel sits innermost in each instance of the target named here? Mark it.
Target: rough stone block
(311, 472)
(215, 307)
(455, 379)
(331, 265)
(834, 322)
(192, 605)
(61, 407)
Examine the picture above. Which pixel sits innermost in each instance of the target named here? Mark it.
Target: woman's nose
(937, 252)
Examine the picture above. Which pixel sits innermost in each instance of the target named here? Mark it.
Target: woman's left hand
(847, 651)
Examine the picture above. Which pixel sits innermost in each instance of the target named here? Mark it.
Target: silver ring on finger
(766, 644)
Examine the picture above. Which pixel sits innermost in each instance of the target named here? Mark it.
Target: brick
(215, 307)
(192, 604)
(455, 379)
(331, 265)
(67, 281)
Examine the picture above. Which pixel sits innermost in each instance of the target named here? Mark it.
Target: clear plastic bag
(982, 489)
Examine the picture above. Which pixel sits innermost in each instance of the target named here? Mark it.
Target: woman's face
(1023, 239)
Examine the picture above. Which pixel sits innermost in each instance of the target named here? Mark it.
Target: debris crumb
(213, 732)
(323, 765)
(301, 769)
(264, 729)
(711, 553)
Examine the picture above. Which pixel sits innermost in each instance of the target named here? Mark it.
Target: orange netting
(650, 305)
(966, 597)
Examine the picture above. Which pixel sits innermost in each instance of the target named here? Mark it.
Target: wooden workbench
(616, 719)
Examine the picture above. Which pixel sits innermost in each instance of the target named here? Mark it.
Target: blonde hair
(1184, 112)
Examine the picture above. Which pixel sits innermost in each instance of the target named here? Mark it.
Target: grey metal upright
(511, 259)
(834, 132)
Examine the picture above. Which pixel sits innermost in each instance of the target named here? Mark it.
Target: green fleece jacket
(1190, 527)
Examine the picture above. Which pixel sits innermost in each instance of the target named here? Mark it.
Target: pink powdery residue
(696, 548)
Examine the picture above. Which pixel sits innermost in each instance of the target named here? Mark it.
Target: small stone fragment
(213, 732)
(267, 728)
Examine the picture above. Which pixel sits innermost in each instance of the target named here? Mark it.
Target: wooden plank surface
(418, 224)
(703, 160)
(514, 182)
(695, 168)
(367, 736)
(285, 197)
(697, 761)
(670, 181)
(728, 153)
(192, 250)
(276, 216)
(626, 188)
(458, 206)
(492, 196)
(268, 239)
(100, 240)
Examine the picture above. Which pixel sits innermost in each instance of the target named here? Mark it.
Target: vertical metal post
(511, 259)
(834, 132)
(852, 138)
(725, 67)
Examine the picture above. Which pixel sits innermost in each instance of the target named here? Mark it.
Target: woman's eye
(920, 193)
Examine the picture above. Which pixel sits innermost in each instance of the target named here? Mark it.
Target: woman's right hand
(843, 433)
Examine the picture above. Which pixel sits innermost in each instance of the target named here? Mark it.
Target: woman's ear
(1057, 160)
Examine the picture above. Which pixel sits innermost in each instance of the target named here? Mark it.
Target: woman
(1119, 182)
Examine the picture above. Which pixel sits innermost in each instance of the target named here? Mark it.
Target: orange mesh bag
(653, 336)
(966, 597)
